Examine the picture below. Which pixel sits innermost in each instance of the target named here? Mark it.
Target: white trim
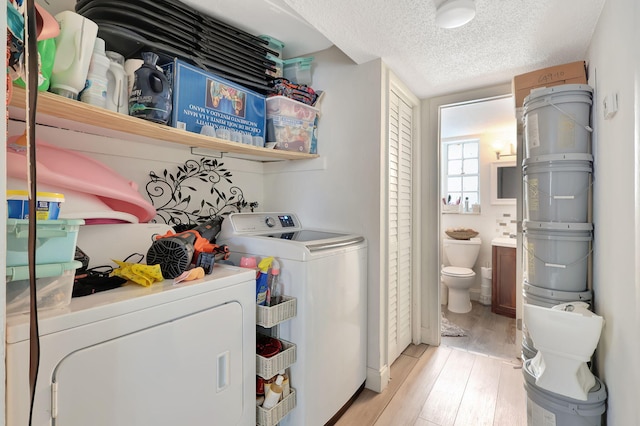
(377, 380)
(432, 204)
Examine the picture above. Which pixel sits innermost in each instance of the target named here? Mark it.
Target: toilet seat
(456, 271)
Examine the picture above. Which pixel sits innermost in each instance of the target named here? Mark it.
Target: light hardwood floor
(449, 385)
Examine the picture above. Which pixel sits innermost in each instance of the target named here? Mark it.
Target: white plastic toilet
(565, 336)
(458, 275)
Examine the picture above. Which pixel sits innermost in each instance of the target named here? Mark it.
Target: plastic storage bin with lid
(56, 241)
(298, 70)
(290, 124)
(54, 285)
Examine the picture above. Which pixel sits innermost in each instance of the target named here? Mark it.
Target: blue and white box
(201, 98)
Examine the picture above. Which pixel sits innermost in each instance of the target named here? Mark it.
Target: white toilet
(565, 337)
(458, 275)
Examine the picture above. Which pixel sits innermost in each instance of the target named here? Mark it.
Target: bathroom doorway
(475, 137)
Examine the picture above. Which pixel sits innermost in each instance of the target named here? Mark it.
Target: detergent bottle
(262, 282)
(117, 85)
(150, 97)
(95, 89)
(74, 45)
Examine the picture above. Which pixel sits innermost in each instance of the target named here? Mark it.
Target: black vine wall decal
(198, 191)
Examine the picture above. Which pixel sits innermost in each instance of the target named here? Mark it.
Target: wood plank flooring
(453, 384)
(487, 333)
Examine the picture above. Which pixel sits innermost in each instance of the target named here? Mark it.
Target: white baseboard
(377, 380)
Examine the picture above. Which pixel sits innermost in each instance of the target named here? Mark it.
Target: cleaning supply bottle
(150, 97)
(95, 89)
(273, 394)
(262, 282)
(73, 53)
(275, 285)
(286, 389)
(117, 86)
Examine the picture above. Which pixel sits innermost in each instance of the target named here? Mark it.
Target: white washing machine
(327, 273)
(146, 356)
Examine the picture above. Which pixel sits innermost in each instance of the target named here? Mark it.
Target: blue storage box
(56, 241)
(201, 98)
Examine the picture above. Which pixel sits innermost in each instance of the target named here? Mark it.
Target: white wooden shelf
(57, 111)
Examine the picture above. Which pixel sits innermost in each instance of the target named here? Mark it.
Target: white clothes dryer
(146, 356)
(327, 273)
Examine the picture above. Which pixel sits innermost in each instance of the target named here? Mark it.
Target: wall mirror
(504, 182)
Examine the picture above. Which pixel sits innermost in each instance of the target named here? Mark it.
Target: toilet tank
(462, 253)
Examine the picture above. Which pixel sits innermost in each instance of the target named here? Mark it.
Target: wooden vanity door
(503, 292)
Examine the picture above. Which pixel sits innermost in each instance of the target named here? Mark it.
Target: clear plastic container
(298, 70)
(54, 286)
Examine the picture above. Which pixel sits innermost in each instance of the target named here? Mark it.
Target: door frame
(430, 205)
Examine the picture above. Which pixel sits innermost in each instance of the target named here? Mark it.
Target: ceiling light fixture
(455, 13)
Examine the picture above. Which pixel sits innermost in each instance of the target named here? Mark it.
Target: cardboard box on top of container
(571, 73)
(201, 98)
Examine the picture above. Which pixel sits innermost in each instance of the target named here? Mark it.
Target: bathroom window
(461, 171)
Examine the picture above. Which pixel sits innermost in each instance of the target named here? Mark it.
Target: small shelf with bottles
(267, 368)
(57, 111)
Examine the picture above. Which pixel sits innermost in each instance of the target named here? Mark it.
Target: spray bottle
(262, 282)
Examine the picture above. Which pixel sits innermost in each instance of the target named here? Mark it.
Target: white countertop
(504, 242)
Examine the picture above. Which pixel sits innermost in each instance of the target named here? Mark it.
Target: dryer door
(182, 372)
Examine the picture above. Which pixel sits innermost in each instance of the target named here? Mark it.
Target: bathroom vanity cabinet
(503, 292)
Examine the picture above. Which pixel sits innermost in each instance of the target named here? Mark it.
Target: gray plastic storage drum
(556, 120)
(546, 408)
(527, 352)
(546, 298)
(556, 187)
(557, 254)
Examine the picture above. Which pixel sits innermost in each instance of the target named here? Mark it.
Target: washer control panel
(256, 223)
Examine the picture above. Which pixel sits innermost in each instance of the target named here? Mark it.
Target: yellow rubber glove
(144, 275)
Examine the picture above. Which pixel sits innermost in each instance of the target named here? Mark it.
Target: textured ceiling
(507, 37)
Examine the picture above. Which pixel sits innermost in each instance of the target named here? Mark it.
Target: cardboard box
(202, 98)
(571, 73)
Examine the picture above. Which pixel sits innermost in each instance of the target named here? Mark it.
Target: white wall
(613, 68)
(133, 161)
(341, 190)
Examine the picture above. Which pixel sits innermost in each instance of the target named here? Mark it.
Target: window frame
(445, 168)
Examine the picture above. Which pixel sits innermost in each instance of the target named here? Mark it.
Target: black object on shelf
(171, 29)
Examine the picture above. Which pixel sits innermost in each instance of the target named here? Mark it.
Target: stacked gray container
(557, 233)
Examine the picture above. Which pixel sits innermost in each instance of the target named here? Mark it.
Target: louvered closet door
(400, 223)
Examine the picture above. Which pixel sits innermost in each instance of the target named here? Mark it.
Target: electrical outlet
(610, 105)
